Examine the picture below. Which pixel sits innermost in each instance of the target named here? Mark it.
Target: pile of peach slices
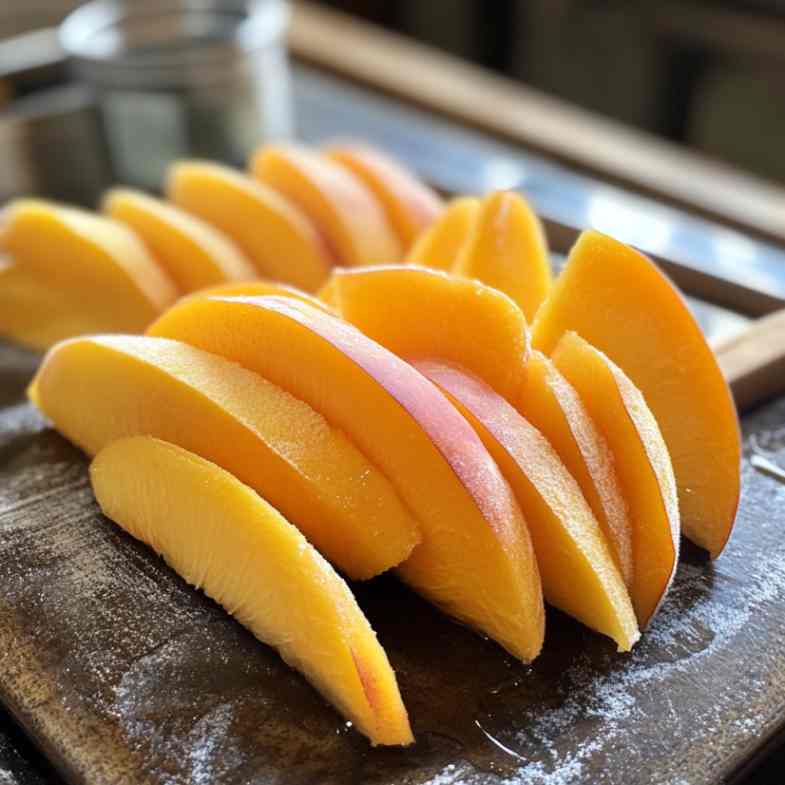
(495, 437)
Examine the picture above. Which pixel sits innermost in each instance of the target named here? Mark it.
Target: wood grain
(477, 98)
(754, 361)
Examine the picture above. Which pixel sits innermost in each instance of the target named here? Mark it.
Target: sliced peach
(578, 573)
(90, 273)
(475, 560)
(350, 218)
(621, 303)
(642, 464)
(96, 390)
(278, 238)
(439, 246)
(260, 289)
(549, 402)
(222, 538)
(411, 206)
(328, 294)
(506, 249)
(419, 313)
(36, 315)
(192, 252)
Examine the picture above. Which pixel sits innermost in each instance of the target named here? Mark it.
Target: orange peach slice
(222, 538)
(350, 218)
(411, 206)
(278, 238)
(260, 289)
(475, 560)
(621, 303)
(642, 464)
(191, 251)
(37, 316)
(549, 402)
(506, 249)
(90, 273)
(419, 313)
(577, 569)
(440, 245)
(96, 390)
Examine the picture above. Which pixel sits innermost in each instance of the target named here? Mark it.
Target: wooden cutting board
(123, 674)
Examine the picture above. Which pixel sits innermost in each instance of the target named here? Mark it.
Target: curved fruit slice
(259, 289)
(642, 463)
(351, 220)
(577, 568)
(621, 303)
(192, 252)
(97, 390)
(328, 294)
(96, 265)
(221, 537)
(278, 239)
(506, 249)
(424, 314)
(37, 316)
(410, 205)
(439, 246)
(475, 559)
(549, 402)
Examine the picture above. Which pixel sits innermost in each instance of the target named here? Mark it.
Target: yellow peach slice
(96, 390)
(259, 289)
(642, 463)
(578, 572)
(419, 313)
(411, 206)
(37, 316)
(278, 238)
(99, 273)
(222, 538)
(506, 249)
(348, 215)
(439, 246)
(621, 303)
(475, 560)
(549, 402)
(192, 252)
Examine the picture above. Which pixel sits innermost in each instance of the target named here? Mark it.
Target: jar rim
(129, 33)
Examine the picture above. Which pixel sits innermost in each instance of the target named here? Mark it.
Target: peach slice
(621, 303)
(642, 464)
(419, 313)
(278, 238)
(191, 251)
(577, 568)
(506, 249)
(96, 390)
(439, 246)
(90, 273)
(550, 403)
(411, 206)
(221, 537)
(350, 218)
(475, 560)
(37, 316)
(260, 289)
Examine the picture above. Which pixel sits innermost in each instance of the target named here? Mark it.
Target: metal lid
(159, 43)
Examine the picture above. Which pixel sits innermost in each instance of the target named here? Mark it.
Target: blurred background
(709, 75)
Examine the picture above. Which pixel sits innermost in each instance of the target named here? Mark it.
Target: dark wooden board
(123, 674)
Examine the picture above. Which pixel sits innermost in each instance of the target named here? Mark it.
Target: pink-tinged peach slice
(347, 213)
(475, 559)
